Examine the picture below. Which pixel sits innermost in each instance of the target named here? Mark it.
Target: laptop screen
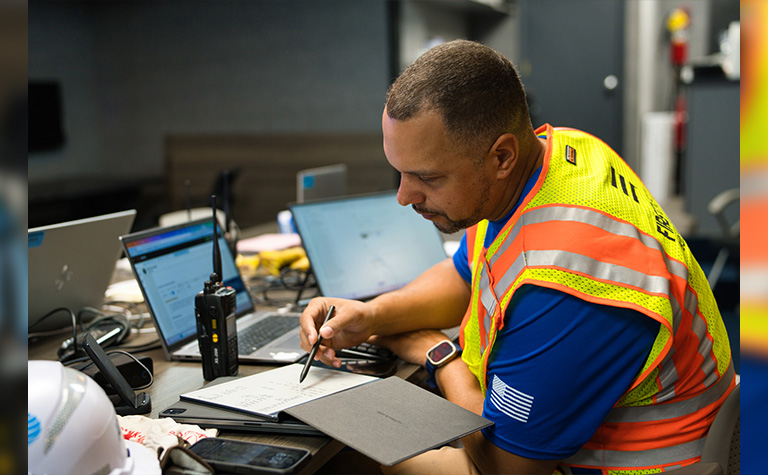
(171, 265)
(365, 245)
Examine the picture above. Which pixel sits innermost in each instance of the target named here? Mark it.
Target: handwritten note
(268, 393)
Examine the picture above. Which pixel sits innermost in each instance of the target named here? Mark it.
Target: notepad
(268, 393)
(389, 420)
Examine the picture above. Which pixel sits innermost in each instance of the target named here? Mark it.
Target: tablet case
(389, 420)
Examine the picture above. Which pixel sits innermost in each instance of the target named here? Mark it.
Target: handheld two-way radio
(215, 312)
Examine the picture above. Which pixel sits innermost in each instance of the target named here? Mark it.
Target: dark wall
(133, 72)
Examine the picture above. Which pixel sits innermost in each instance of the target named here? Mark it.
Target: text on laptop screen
(173, 265)
(362, 246)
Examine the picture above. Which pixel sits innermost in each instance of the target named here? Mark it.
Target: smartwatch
(438, 356)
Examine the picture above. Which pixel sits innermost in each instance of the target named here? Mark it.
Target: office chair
(730, 231)
(721, 452)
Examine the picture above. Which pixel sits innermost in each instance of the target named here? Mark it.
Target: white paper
(273, 391)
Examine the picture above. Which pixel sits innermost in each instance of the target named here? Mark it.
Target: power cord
(110, 353)
(136, 311)
(107, 329)
(55, 311)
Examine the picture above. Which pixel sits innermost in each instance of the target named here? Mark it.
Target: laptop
(207, 416)
(321, 182)
(71, 265)
(172, 263)
(364, 245)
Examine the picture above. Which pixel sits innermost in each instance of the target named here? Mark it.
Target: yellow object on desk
(273, 261)
(248, 265)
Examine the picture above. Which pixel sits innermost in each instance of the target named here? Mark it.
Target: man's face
(440, 181)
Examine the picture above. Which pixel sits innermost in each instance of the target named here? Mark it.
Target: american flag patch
(510, 401)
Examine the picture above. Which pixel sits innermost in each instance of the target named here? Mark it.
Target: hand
(411, 346)
(348, 326)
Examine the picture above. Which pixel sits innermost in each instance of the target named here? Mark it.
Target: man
(589, 334)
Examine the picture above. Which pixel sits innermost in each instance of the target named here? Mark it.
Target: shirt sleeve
(460, 260)
(558, 366)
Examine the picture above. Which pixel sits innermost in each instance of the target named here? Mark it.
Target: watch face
(442, 351)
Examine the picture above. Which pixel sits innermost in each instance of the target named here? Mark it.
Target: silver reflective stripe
(667, 378)
(486, 298)
(599, 270)
(660, 412)
(508, 241)
(72, 393)
(510, 275)
(691, 301)
(699, 328)
(637, 459)
(676, 268)
(677, 314)
(587, 216)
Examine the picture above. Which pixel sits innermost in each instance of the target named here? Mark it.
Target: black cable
(101, 318)
(69, 349)
(135, 308)
(110, 353)
(289, 279)
(76, 360)
(151, 377)
(152, 345)
(57, 310)
(304, 283)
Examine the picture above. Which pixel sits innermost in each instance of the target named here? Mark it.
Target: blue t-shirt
(558, 366)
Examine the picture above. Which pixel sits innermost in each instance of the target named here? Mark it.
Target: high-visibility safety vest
(590, 228)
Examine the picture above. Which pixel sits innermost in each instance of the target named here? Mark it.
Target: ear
(504, 154)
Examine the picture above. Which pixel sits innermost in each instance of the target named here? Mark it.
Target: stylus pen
(312, 352)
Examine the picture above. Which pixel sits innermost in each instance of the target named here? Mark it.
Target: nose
(407, 192)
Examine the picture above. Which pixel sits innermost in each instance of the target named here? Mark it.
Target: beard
(477, 214)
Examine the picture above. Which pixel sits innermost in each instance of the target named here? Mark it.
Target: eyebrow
(423, 173)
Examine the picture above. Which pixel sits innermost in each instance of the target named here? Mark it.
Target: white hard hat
(73, 428)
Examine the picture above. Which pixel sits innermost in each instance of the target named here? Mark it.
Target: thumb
(326, 331)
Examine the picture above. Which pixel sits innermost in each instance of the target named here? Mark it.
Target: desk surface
(174, 378)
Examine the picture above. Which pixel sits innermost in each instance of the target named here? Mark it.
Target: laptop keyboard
(254, 337)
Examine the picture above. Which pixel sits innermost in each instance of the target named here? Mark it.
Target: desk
(172, 378)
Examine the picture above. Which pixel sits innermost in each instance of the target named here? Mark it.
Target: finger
(309, 321)
(340, 321)
(328, 356)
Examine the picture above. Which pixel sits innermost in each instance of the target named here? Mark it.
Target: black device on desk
(206, 416)
(138, 374)
(234, 456)
(216, 317)
(129, 402)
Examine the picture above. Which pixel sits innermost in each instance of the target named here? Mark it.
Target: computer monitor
(364, 245)
(322, 182)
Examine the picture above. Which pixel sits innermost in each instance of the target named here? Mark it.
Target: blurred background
(145, 105)
(132, 98)
(754, 260)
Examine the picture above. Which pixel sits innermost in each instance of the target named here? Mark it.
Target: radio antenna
(225, 192)
(216, 251)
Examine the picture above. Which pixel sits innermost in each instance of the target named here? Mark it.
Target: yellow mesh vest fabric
(608, 185)
(471, 352)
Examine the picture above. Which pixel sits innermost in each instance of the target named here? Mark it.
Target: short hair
(476, 91)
